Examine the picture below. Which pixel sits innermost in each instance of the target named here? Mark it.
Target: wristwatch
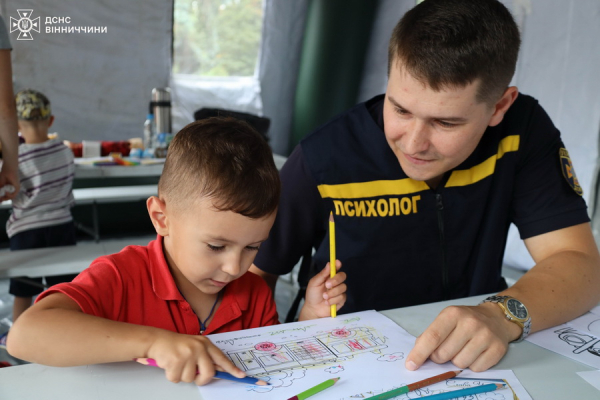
(515, 311)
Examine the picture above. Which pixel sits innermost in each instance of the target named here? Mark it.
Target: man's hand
(323, 291)
(9, 183)
(471, 337)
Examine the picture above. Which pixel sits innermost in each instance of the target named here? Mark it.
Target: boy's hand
(323, 291)
(190, 358)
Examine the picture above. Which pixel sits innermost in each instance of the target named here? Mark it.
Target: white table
(63, 259)
(100, 195)
(83, 170)
(545, 375)
(108, 194)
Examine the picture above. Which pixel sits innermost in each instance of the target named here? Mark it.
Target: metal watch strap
(526, 323)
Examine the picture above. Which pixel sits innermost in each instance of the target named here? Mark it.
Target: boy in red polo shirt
(217, 200)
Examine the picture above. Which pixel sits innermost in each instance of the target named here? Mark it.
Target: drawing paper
(569, 341)
(467, 379)
(366, 350)
(588, 322)
(595, 310)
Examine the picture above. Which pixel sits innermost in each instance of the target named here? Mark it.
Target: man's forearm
(8, 114)
(559, 288)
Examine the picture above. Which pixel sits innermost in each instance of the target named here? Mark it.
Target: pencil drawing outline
(281, 363)
(582, 342)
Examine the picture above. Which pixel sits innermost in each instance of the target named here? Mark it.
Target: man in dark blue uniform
(425, 181)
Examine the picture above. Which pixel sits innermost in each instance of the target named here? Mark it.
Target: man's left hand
(474, 337)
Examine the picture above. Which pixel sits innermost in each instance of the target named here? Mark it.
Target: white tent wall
(558, 64)
(99, 83)
(374, 79)
(283, 33)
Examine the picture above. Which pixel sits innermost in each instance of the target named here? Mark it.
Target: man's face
(210, 248)
(432, 132)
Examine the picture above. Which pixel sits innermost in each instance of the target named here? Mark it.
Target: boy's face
(211, 248)
(432, 132)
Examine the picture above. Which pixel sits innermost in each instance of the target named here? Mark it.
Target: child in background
(41, 212)
(217, 200)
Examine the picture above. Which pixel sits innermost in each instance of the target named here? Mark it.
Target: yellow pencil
(332, 256)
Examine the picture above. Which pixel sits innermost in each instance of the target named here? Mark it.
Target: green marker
(316, 389)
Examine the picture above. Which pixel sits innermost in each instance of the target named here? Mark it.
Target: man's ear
(157, 209)
(501, 107)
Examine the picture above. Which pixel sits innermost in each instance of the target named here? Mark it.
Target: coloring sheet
(366, 350)
(467, 379)
(578, 339)
(588, 322)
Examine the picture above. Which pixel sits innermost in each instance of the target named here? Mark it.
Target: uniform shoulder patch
(568, 171)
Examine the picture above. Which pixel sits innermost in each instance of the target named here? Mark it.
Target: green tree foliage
(217, 37)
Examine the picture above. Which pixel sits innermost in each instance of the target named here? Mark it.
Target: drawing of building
(270, 357)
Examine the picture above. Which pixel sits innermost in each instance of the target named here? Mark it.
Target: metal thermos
(161, 107)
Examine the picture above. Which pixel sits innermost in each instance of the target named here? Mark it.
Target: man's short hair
(452, 43)
(223, 159)
(32, 105)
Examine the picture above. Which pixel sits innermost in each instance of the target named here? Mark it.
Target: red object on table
(106, 147)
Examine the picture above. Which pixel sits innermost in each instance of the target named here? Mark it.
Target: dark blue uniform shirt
(402, 243)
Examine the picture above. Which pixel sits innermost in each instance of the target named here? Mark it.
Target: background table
(545, 375)
(62, 259)
(85, 169)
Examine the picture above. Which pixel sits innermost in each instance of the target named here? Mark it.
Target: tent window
(217, 38)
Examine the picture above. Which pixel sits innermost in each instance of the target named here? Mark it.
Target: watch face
(516, 308)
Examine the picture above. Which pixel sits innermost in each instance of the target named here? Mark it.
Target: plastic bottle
(161, 146)
(148, 132)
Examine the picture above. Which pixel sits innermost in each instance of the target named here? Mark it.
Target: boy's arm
(56, 332)
(323, 291)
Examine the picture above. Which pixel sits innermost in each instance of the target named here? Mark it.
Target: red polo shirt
(136, 286)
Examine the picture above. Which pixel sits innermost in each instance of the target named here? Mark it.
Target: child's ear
(157, 209)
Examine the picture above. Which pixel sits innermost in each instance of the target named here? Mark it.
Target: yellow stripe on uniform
(372, 189)
(405, 186)
(486, 168)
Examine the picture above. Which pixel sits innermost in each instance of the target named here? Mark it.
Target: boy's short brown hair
(452, 43)
(226, 160)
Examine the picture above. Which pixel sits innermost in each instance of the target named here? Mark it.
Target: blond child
(217, 200)
(41, 212)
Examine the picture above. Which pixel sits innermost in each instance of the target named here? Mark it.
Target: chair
(261, 124)
(306, 271)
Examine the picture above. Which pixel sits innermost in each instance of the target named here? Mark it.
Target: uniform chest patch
(568, 171)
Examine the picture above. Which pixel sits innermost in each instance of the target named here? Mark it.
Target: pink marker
(218, 374)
